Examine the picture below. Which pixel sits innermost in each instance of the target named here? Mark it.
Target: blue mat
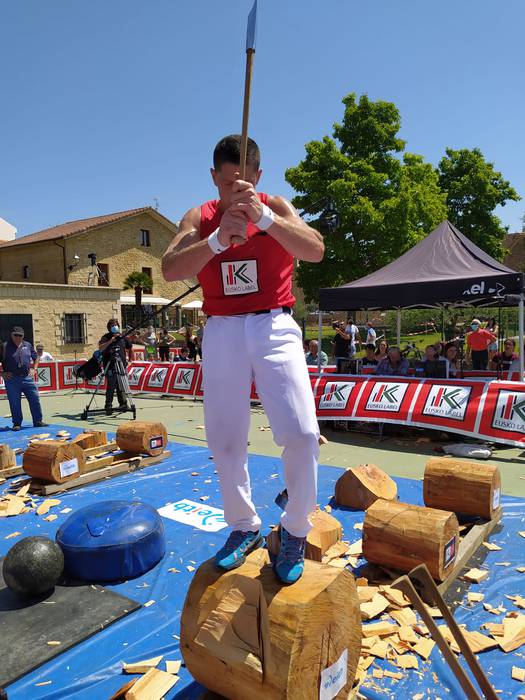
(92, 670)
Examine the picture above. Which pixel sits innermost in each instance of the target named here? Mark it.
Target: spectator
(306, 345)
(200, 332)
(20, 378)
(439, 347)
(478, 341)
(191, 342)
(429, 367)
(149, 341)
(492, 326)
(382, 350)
(163, 344)
(369, 359)
(340, 345)
(312, 355)
(371, 335)
(183, 355)
(501, 361)
(353, 335)
(451, 356)
(394, 364)
(42, 355)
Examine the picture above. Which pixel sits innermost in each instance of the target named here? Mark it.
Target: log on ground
(359, 487)
(142, 437)
(54, 462)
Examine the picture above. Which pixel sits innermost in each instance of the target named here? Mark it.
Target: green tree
(387, 199)
(139, 282)
(474, 189)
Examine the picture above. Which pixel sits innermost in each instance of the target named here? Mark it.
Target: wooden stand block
(54, 462)
(7, 457)
(361, 486)
(93, 438)
(401, 536)
(326, 531)
(463, 487)
(142, 437)
(245, 635)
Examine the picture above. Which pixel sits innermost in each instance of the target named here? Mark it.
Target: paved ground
(398, 453)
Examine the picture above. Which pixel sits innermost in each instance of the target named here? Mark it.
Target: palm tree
(139, 282)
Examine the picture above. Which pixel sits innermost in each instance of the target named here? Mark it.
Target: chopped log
(7, 457)
(361, 486)
(244, 634)
(142, 437)
(92, 438)
(52, 461)
(462, 487)
(326, 531)
(401, 536)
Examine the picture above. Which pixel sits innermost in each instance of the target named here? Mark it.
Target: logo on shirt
(447, 401)
(386, 396)
(239, 277)
(509, 414)
(336, 395)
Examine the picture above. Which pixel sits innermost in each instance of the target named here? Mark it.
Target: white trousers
(266, 348)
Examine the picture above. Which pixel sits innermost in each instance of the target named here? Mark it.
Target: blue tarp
(92, 670)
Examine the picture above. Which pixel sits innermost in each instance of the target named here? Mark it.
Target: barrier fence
(476, 406)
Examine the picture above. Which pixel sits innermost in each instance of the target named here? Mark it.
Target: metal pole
(398, 327)
(520, 336)
(319, 340)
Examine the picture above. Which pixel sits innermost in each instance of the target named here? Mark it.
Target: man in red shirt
(241, 246)
(478, 341)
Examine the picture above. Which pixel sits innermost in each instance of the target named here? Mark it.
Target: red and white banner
(476, 406)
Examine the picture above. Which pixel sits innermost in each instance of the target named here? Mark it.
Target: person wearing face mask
(111, 344)
(478, 341)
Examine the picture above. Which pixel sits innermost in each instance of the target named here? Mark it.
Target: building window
(25, 272)
(74, 328)
(147, 271)
(144, 237)
(103, 275)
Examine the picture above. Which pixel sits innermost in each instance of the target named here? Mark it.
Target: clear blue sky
(106, 104)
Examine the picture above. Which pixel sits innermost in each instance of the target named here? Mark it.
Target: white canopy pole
(319, 340)
(398, 327)
(520, 338)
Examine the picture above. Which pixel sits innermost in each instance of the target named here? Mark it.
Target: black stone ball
(33, 566)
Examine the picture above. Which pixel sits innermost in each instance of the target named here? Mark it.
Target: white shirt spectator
(353, 331)
(45, 357)
(371, 335)
(515, 366)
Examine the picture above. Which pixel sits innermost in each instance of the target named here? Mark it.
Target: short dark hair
(370, 346)
(228, 150)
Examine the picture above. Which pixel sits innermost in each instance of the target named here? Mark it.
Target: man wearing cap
(478, 341)
(19, 377)
(43, 355)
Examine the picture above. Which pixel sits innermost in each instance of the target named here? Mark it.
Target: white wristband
(267, 218)
(215, 244)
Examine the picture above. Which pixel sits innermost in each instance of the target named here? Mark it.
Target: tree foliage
(139, 282)
(387, 199)
(474, 189)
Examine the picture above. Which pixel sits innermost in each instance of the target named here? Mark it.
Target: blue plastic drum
(111, 541)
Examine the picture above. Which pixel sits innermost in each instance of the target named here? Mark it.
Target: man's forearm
(186, 262)
(299, 239)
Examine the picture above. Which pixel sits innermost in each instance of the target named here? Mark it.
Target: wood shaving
(150, 602)
(491, 546)
(173, 667)
(46, 506)
(518, 674)
(13, 534)
(476, 575)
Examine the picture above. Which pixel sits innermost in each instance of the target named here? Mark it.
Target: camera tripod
(116, 366)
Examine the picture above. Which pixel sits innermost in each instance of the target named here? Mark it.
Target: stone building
(69, 278)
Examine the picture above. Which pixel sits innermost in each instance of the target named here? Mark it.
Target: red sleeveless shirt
(245, 278)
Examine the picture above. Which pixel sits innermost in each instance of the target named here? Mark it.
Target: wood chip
(394, 596)
(38, 685)
(13, 534)
(142, 666)
(173, 667)
(328, 509)
(477, 642)
(475, 597)
(46, 505)
(50, 518)
(424, 648)
(53, 644)
(476, 575)
(154, 685)
(491, 546)
(190, 568)
(173, 570)
(382, 629)
(24, 490)
(377, 673)
(391, 674)
(358, 526)
(433, 612)
(204, 498)
(379, 649)
(407, 661)
(407, 634)
(374, 607)
(522, 533)
(513, 633)
(404, 617)
(520, 569)
(356, 549)
(150, 602)
(518, 674)
(194, 474)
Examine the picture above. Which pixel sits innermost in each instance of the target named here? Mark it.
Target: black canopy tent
(444, 269)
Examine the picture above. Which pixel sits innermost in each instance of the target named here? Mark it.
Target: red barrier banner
(386, 398)
(66, 378)
(47, 376)
(199, 391)
(336, 398)
(184, 379)
(137, 372)
(452, 404)
(503, 415)
(158, 377)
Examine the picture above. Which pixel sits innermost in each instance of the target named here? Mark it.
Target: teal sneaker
(289, 566)
(235, 549)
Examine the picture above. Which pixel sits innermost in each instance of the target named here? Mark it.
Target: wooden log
(326, 531)
(7, 457)
(92, 438)
(463, 487)
(245, 635)
(142, 437)
(55, 462)
(401, 536)
(361, 486)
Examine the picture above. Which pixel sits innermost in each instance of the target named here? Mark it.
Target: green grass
(421, 340)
